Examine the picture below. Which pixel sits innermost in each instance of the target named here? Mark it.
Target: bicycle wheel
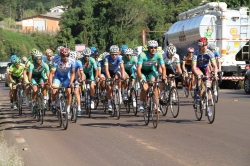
(197, 107)
(215, 90)
(174, 102)
(41, 108)
(192, 89)
(133, 100)
(210, 105)
(63, 112)
(87, 103)
(59, 118)
(154, 112)
(96, 97)
(73, 110)
(146, 113)
(20, 102)
(117, 104)
(164, 102)
(38, 105)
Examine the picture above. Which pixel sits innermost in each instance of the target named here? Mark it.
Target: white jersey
(171, 62)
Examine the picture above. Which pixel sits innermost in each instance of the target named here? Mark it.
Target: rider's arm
(194, 61)
(138, 68)
(122, 70)
(106, 66)
(72, 76)
(219, 63)
(178, 68)
(51, 76)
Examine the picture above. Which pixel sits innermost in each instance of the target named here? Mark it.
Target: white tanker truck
(229, 29)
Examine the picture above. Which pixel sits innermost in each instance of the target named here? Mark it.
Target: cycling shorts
(188, 68)
(64, 81)
(37, 80)
(148, 74)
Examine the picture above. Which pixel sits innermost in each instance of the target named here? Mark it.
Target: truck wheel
(247, 85)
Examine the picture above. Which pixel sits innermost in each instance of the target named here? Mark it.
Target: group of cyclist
(70, 68)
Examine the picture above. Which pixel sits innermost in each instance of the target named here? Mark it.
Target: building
(48, 22)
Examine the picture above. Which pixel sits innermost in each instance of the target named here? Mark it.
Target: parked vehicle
(229, 29)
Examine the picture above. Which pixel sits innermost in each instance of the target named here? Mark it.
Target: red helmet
(190, 49)
(202, 41)
(64, 51)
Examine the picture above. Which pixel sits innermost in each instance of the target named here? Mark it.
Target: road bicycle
(204, 100)
(131, 103)
(19, 97)
(188, 85)
(86, 92)
(73, 106)
(39, 107)
(170, 98)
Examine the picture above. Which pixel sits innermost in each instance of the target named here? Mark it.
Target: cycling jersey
(149, 64)
(16, 72)
(49, 63)
(170, 63)
(145, 57)
(61, 69)
(89, 70)
(130, 65)
(216, 54)
(38, 72)
(188, 60)
(30, 59)
(114, 65)
(202, 60)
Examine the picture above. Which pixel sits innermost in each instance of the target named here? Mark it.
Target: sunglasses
(49, 56)
(86, 56)
(38, 58)
(202, 44)
(17, 63)
(190, 52)
(65, 56)
(128, 55)
(114, 54)
(152, 47)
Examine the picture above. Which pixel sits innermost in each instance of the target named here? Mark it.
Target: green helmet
(17, 60)
(34, 51)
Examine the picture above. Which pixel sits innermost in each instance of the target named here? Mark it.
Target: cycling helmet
(25, 59)
(78, 55)
(49, 52)
(38, 54)
(17, 60)
(128, 51)
(34, 51)
(211, 46)
(152, 43)
(171, 49)
(114, 49)
(64, 51)
(190, 49)
(86, 52)
(144, 48)
(103, 55)
(72, 54)
(124, 47)
(12, 58)
(96, 54)
(202, 41)
(93, 49)
(59, 48)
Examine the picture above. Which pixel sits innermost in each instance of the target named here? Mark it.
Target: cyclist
(187, 65)
(62, 73)
(102, 74)
(89, 67)
(129, 62)
(172, 62)
(147, 66)
(12, 60)
(79, 77)
(113, 69)
(25, 73)
(123, 49)
(211, 47)
(200, 62)
(38, 74)
(15, 76)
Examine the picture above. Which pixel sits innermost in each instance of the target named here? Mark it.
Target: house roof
(49, 15)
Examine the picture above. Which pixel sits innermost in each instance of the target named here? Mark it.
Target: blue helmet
(124, 47)
(12, 59)
(92, 50)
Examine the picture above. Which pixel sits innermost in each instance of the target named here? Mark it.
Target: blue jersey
(216, 55)
(61, 69)
(202, 60)
(114, 65)
(78, 65)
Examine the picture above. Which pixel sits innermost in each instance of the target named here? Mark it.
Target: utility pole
(10, 16)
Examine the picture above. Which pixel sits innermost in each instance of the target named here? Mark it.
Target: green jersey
(91, 66)
(148, 62)
(129, 63)
(16, 72)
(38, 72)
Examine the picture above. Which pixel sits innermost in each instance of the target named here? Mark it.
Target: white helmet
(86, 52)
(78, 55)
(72, 54)
(211, 46)
(152, 43)
(114, 49)
(128, 51)
(25, 59)
(38, 54)
(171, 49)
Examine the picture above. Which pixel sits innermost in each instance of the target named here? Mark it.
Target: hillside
(21, 44)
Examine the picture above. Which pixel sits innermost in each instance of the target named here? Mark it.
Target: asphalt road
(103, 140)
